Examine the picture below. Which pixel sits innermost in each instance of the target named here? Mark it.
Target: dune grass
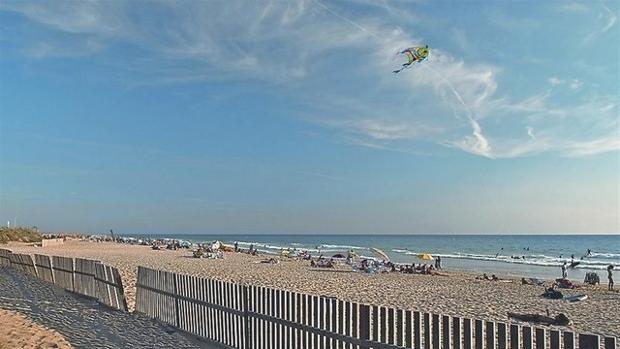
(18, 234)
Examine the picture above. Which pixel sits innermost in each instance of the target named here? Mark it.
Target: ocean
(540, 256)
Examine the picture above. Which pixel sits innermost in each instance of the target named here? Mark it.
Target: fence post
(246, 317)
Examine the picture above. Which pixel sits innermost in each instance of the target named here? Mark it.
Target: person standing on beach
(564, 271)
(438, 263)
(610, 277)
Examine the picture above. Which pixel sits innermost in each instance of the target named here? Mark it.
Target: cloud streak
(337, 66)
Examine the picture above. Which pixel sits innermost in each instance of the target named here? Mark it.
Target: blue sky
(284, 116)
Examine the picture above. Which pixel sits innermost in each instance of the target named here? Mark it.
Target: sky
(285, 117)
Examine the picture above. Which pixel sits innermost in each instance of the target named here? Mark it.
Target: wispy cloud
(605, 20)
(337, 64)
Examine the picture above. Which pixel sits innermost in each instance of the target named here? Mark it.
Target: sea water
(538, 256)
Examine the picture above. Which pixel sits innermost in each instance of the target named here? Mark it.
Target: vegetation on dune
(18, 234)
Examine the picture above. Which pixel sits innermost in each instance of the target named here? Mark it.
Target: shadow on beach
(84, 322)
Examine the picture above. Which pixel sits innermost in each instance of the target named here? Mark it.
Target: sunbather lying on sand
(484, 277)
(559, 320)
(532, 281)
(322, 263)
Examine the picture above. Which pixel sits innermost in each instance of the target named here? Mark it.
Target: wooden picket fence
(44, 267)
(23, 262)
(109, 287)
(246, 316)
(5, 260)
(82, 276)
(64, 272)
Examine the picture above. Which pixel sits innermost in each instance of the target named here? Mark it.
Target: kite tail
(405, 66)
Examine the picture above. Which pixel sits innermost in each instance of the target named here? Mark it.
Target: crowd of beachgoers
(378, 264)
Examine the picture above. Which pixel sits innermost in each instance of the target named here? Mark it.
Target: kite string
(346, 19)
(476, 127)
(441, 77)
(454, 91)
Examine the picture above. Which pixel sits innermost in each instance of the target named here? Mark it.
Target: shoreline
(459, 293)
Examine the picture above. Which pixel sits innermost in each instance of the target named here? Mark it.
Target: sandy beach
(457, 294)
(18, 331)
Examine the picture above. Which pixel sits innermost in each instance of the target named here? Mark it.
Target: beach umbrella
(425, 257)
(380, 254)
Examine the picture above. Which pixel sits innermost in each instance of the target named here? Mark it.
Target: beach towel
(564, 283)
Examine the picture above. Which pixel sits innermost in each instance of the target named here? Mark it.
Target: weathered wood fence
(5, 260)
(245, 316)
(82, 276)
(109, 287)
(23, 262)
(44, 267)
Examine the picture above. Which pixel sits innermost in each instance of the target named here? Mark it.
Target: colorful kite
(414, 54)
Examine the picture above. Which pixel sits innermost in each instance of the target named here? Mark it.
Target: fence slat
(589, 341)
(528, 339)
(502, 336)
(63, 271)
(515, 337)
(5, 260)
(610, 342)
(554, 339)
(490, 334)
(467, 334)
(84, 278)
(428, 336)
(436, 331)
(445, 330)
(569, 340)
(541, 338)
(479, 336)
(456, 332)
(44, 267)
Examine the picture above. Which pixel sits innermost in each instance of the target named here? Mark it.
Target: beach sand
(458, 294)
(17, 331)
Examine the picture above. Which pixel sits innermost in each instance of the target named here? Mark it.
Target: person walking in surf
(564, 275)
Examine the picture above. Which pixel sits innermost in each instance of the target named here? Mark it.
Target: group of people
(253, 251)
(424, 269)
(610, 269)
(486, 277)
